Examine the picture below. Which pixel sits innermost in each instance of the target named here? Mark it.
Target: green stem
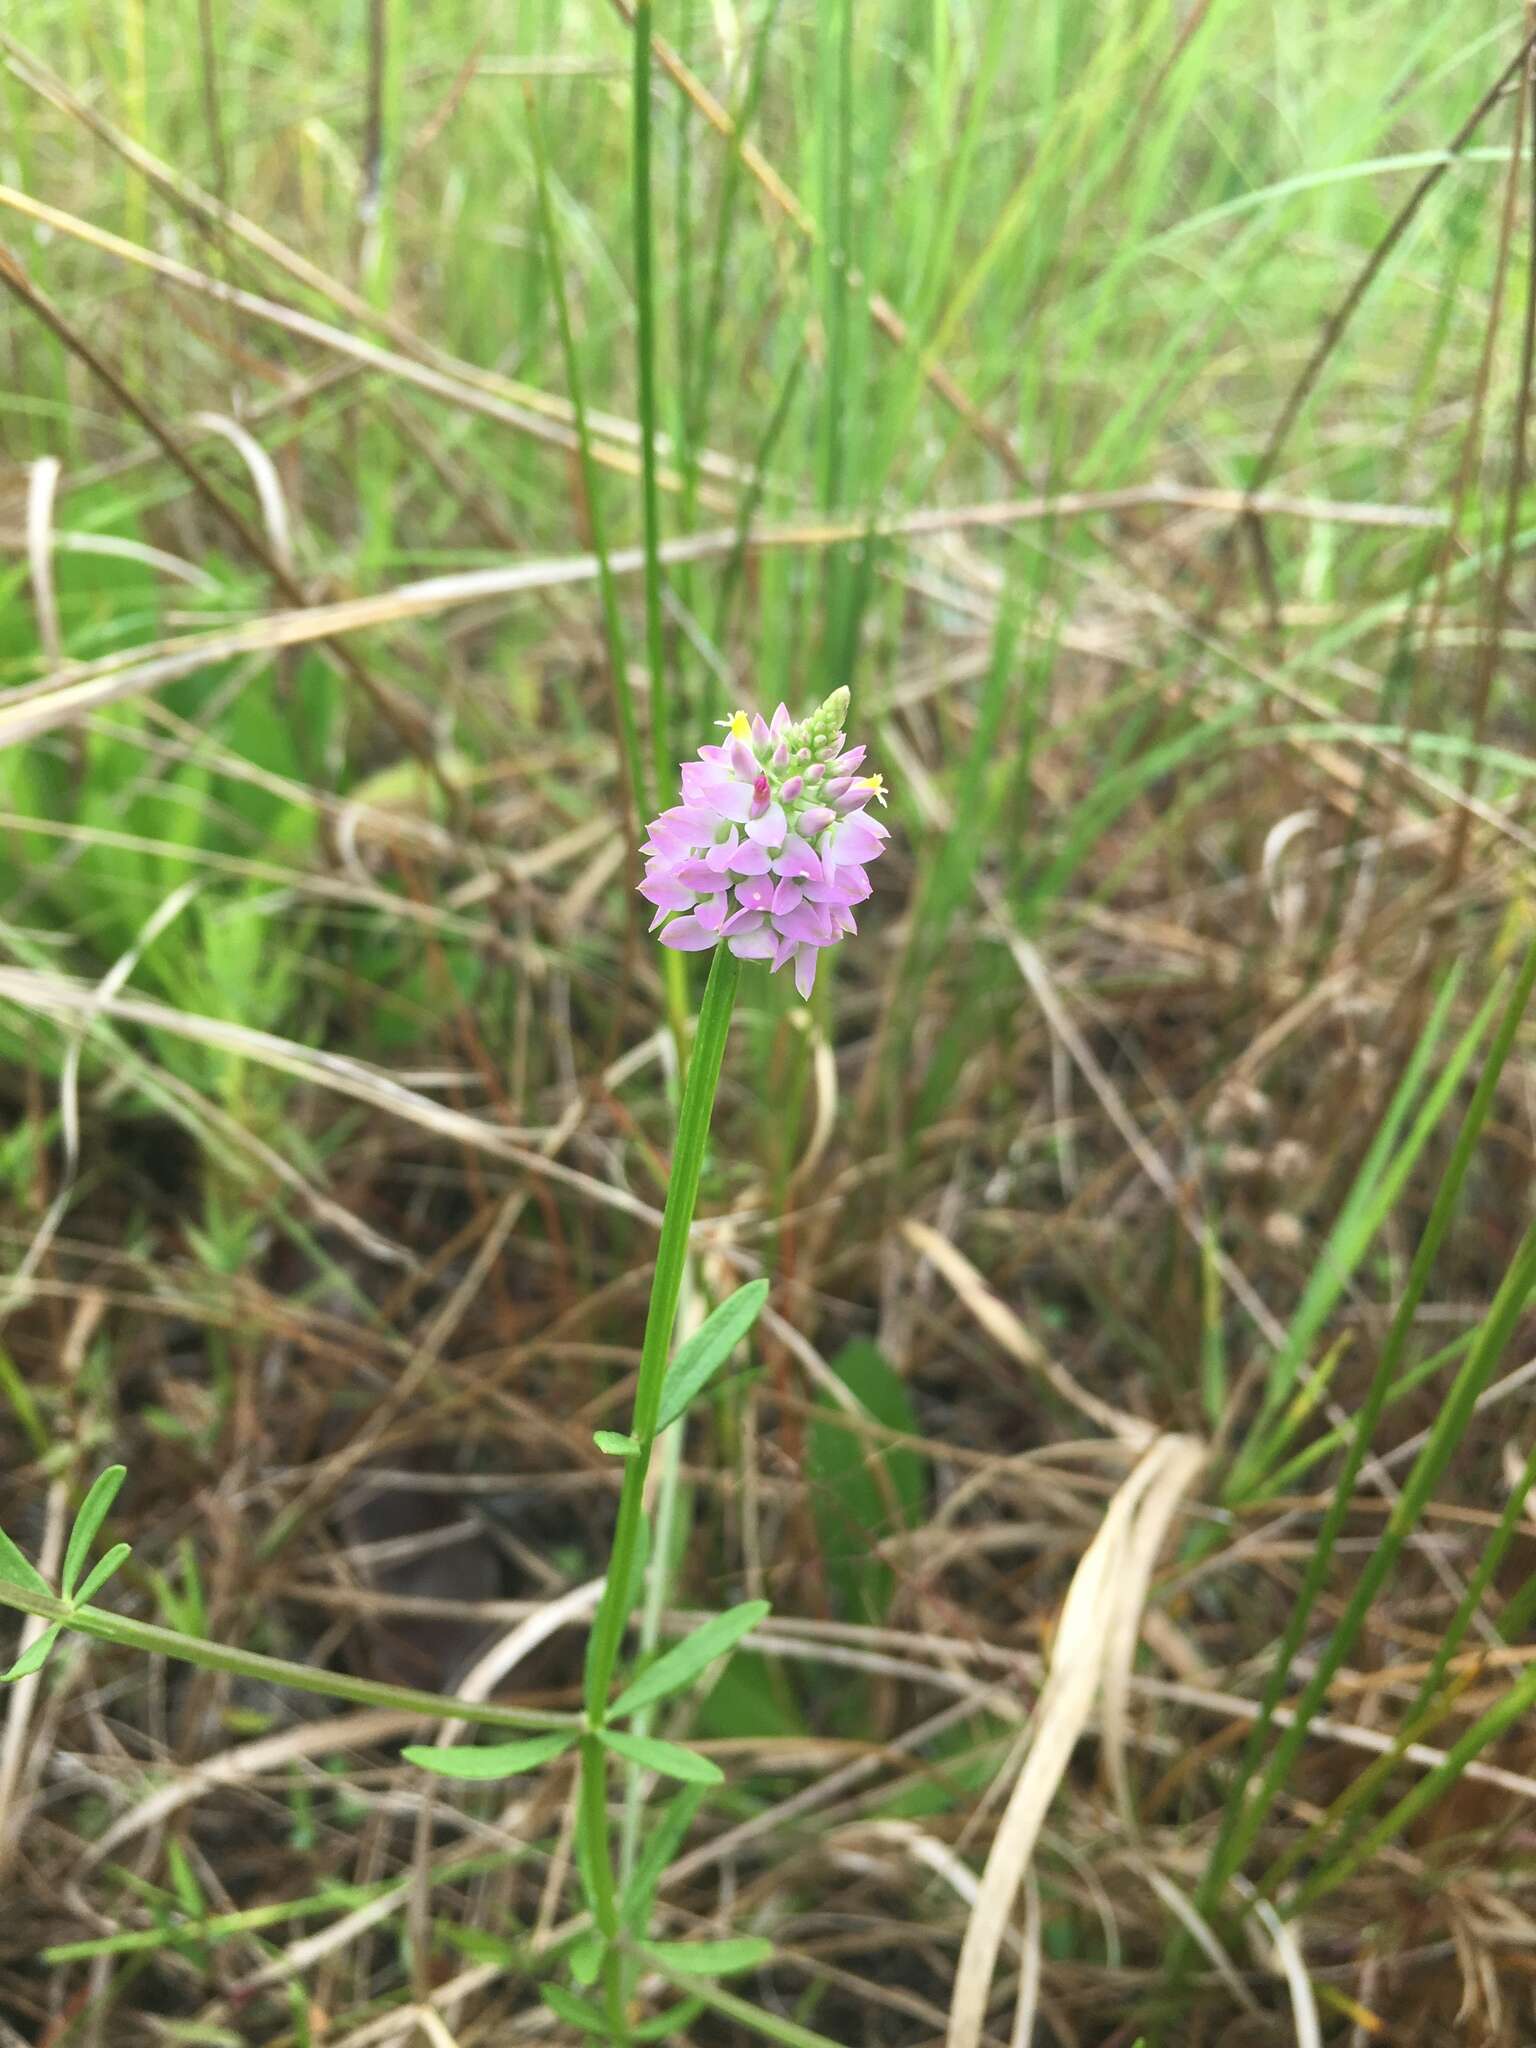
(366, 1692)
(618, 1599)
(597, 1861)
(666, 1284)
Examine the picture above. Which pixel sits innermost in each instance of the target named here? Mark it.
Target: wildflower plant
(763, 860)
(768, 849)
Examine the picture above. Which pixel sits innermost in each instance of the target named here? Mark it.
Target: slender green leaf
(664, 2024)
(685, 1660)
(586, 1958)
(101, 1571)
(94, 1510)
(1376, 1188)
(189, 1893)
(19, 1394)
(1245, 1814)
(494, 1760)
(1505, 1714)
(34, 1658)
(711, 1958)
(756, 2018)
(701, 1357)
(670, 1758)
(576, 2012)
(20, 1570)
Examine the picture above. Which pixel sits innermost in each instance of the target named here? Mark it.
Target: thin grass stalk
(645, 363)
(1513, 1708)
(1350, 1810)
(702, 369)
(1285, 1477)
(626, 726)
(1245, 1815)
(673, 969)
(1371, 1198)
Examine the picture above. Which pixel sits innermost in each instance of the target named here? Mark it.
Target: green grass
(1274, 1191)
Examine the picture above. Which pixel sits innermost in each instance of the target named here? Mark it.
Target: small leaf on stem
(20, 1571)
(670, 1758)
(101, 1571)
(710, 1958)
(576, 2012)
(93, 1512)
(701, 1357)
(685, 1660)
(615, 1445)
(33, 1659)
(494, 1760)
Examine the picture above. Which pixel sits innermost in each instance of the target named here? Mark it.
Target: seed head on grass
(768, 848)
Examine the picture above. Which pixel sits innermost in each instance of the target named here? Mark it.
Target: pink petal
(695, 818)
(807, 922)
(711, 912)
(787, 896)
(719, 857)
(785, 952)
(796, 860)
(816, 818)
(852, 843)
(842, 886)
(669, 894)
(742, 921)
(805, 972)
(687, 935)
(756, 893)
(755, 945)
(781, 719)
(695, 822)
(769, 829)
(699, 875)
(749, 859)
(734, 802)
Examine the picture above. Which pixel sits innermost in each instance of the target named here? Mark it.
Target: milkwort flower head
(768, 848)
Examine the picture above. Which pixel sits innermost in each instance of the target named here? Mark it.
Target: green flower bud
(815, 738)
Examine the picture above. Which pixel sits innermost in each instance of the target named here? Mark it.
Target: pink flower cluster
(768, 847)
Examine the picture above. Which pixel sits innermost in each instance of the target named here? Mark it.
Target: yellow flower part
(875, 784)
(740, 727)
